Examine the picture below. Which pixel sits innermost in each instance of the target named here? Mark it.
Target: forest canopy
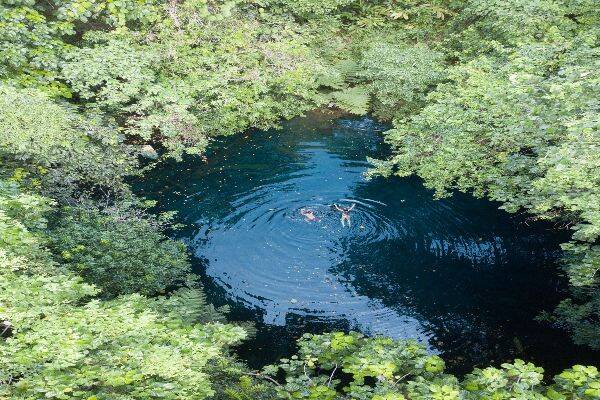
(496, 98)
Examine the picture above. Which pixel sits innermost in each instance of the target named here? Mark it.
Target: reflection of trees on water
(233, 169)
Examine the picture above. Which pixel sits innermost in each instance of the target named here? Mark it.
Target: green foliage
(517, 122)
(354, 100)
(180, 83)
(63, 345)
(495, 97)
(50, 147)
(90, 353)
(513, 380)
(19, 213)
(119, 250)
(34, 35)
(401, 77)
(351, 366)
(577, 382)
(482, 27)
(170, 73)
(580, 316)
(330, 364)
(309, 8)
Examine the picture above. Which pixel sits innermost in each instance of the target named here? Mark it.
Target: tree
(519, 126)
(50, 147)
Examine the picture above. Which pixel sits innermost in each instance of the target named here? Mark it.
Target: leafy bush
(401, 77)
(34, 36)
(310, 8)
(351, 366)
(52, 148)
(119, 250)
(185, 85)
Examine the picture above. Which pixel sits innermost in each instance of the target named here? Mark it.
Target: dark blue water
(459, 275)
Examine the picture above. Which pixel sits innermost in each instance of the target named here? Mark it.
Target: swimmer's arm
(352, 207)
(337, 207)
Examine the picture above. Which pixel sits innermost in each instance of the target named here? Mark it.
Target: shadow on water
(458, 275)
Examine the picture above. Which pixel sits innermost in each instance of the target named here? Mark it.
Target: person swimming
(309, 215)
(345, 213)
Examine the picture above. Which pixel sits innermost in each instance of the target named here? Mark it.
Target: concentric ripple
(457, 274)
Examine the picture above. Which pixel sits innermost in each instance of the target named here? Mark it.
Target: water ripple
(409, 266)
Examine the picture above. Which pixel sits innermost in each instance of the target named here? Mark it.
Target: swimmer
(345, 213)
(309, 215)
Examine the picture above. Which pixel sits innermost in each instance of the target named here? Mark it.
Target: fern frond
(190, 306)
(355, 100)
(331, 78)
(349, 70)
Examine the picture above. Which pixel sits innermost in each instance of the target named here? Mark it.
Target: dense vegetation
(499, 98)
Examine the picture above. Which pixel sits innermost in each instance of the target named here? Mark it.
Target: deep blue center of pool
(459, 275)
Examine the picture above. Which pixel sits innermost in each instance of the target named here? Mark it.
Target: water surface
(458, 275)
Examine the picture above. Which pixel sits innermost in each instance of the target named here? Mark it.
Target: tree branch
(259, 375)
(331, 376)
